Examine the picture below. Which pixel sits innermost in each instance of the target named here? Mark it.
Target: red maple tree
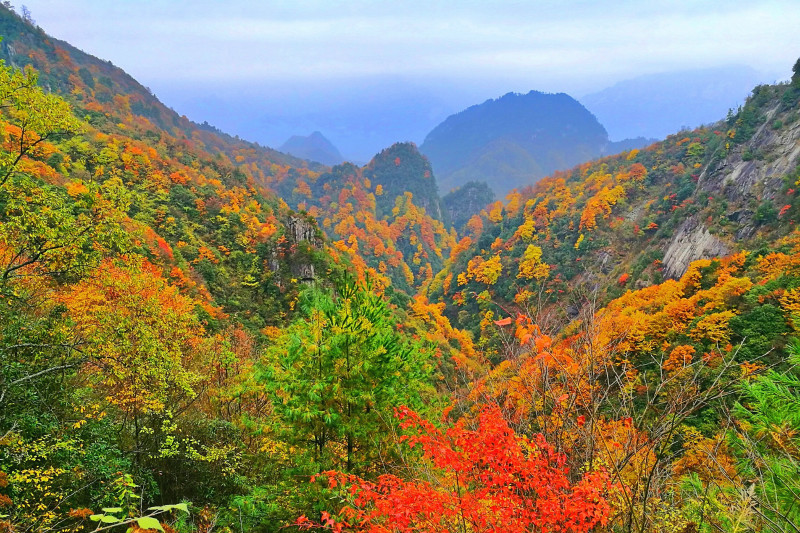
(488, 479)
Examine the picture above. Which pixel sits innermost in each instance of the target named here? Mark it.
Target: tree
(142, 338)
(766, 441)
(486, 479)
(33, 116)
(46, 232)
(334, 373)
(26, 15)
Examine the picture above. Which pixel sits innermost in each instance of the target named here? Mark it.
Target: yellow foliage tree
(531, 265)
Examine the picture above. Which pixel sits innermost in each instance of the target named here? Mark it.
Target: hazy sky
(305, 56)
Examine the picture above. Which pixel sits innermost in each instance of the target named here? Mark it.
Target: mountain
(511, 141)
(116, 104)
(625, 145)
(314, 147)
(359, 117)
(102, 90)
(657, 105)
(197, 333)
(642, 216)
(388, 214)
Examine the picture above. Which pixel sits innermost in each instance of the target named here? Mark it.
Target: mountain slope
(660, 104)
(102, 90)
(171, 331)
(388, 213)
(465, 201)
(640, 216)
(117, 105)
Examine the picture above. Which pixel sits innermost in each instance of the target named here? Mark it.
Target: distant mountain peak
(656, 105)
(313, 147)
(511, 141)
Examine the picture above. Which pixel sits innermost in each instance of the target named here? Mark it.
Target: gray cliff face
(692, 241)
(773, 154)
(301, 232)
(749, 175)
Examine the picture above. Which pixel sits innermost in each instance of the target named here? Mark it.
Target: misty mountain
(359, 118)
(656, 105)
(615, 147)
(511, 141)
(314, 147)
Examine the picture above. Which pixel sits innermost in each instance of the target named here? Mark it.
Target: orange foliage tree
(140, 334)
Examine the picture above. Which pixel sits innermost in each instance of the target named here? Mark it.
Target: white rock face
(691, 242)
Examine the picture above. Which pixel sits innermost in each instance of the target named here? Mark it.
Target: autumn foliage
(188, 317)
(483, 479)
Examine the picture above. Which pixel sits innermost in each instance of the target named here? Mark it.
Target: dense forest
(199, 334)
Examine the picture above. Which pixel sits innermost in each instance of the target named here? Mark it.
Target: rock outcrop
(692, 241)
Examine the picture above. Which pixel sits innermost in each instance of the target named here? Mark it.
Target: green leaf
(179, 506)
(96, 517)
(112, 509)
(108, 519)
(148, 522)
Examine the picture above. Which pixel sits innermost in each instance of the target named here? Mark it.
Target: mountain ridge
(192, 323)
(513, 140)
(657, 105)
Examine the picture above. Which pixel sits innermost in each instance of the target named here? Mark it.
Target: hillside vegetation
(198, 334)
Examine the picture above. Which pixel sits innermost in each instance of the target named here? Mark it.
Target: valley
(519, 325)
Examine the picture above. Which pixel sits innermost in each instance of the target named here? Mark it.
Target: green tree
(336, 373)
(767, 443)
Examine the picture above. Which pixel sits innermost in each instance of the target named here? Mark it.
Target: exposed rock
(634, 213)
(299, 230)
(302, 229)
(605, 262)
(692, 241)
(305, 272)
(758, 178)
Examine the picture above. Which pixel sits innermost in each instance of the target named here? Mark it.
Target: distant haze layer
(659, 104)
(367, 73)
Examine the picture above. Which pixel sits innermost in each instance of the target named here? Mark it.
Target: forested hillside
(386, 215)
(198, 334)
(633, 220)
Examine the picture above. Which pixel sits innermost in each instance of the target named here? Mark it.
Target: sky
(271, 68)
